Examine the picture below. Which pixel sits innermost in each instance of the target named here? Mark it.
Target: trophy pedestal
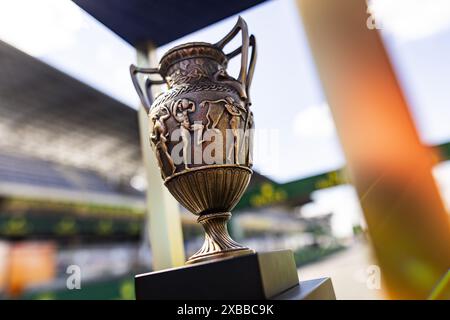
(314, 289)
(262, 275)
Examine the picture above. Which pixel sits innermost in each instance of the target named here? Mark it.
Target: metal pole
(163, 211)
(389, 166)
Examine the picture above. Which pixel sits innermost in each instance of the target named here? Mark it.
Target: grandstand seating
(21, 169)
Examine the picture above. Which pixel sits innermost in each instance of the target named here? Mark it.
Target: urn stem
(218, 243)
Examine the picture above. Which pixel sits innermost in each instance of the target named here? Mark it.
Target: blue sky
(288, 101)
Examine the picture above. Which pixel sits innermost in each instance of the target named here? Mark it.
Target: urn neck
(191, 62)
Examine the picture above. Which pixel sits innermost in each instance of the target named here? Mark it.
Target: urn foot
(218, 243)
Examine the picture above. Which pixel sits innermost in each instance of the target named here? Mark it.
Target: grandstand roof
(49, 115)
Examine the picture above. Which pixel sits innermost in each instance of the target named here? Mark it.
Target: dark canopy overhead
(161, 21)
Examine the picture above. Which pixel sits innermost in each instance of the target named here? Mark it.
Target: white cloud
(314, 122)
(411, 19)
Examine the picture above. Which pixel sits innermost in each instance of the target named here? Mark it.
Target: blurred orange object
(30, 263)
(390, 168)
(4, 253)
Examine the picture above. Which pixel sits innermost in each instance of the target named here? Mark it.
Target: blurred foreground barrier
(388, 165)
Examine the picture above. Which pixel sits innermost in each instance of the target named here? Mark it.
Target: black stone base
(314, 289)
(261, 275)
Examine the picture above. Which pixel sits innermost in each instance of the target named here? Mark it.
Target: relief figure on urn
(159, 138)
(180, 110)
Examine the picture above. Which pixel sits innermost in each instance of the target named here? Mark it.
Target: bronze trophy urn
(201, 132)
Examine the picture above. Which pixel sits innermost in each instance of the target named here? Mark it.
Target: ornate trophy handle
(251, 67)
(144, 95)
(245, 76)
